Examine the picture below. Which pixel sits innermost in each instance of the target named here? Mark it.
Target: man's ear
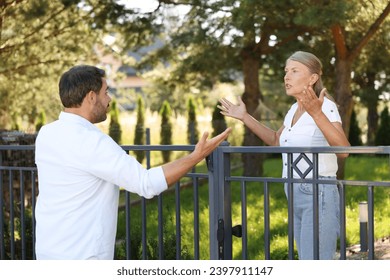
(90, 97)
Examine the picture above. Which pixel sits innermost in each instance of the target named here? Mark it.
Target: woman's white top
(305, 133)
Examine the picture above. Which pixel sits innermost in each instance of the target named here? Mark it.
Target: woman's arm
(332, 131)
(269, 136)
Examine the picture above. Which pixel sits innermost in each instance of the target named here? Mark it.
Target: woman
(312, 121)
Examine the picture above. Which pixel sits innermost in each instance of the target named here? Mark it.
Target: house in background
(124, 81)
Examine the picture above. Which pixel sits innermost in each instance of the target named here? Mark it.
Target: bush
(383, 134)
(139, 137)
(192, 127)
(354, 131)
(218, 122)
(115, 130)
(41, 121)
(166, 129)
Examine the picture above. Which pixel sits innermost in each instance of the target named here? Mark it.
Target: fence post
(220, 221)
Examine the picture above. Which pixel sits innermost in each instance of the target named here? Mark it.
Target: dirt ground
(381, 249)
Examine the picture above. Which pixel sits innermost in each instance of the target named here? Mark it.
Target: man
(80, 169)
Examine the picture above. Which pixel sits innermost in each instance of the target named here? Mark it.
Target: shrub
(115, 130)
(41, 121)
(354, 131)
(139, 137)
(192, 127)
(383, 134)
(166, 129)
(218, 122)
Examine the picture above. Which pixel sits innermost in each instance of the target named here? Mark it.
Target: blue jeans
(329, 219)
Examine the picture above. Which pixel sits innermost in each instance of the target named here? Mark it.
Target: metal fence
(19, 188)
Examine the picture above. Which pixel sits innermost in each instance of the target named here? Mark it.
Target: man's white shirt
(80, 170)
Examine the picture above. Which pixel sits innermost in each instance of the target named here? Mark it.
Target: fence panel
(19, 189)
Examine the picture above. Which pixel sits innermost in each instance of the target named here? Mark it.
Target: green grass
(357, 168)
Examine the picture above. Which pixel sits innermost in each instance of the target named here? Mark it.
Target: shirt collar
(70, 117)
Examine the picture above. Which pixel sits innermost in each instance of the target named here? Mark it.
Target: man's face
(102, 104)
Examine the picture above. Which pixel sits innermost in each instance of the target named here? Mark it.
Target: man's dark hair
(77, 82)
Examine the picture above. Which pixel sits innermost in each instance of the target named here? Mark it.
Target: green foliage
(152, 253)
(18, 244)
(139, 137)
(218, 121)
(115, 130)
(192, 126)
(383, 135)
(354, 131)
(166, 129)
(39, 40)
(41, 121)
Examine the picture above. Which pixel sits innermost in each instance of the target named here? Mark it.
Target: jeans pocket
(306, 188)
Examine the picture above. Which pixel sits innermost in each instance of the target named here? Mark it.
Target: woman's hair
(315, 67)
(77, 82)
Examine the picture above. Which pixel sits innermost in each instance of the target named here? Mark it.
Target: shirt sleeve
(108, 161)
(331, 111)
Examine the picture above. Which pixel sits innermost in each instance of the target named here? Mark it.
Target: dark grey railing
(220, 197)
(19, 187)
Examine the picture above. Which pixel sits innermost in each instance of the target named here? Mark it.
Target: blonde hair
(315, 67)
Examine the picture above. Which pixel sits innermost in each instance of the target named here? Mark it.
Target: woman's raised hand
(231, 110)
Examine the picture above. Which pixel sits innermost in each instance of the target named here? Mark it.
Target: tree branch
(371, 31)
(41, 26)
(339, 41)
(24, 66)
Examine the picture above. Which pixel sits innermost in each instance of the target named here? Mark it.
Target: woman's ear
(313, 79)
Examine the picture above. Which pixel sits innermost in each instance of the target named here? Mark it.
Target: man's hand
(176, 169)
(205, 146)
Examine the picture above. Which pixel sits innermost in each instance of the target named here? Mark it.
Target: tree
(224, 41)
(383, 135)
(115, 130)
(139, 137)
(370, 79)
(38, 40)
(41, 121)
(192, 127)
(355, 132)
(218, 121)
(166, 129)
(349, 39)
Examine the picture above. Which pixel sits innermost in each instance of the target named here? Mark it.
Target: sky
(144, 5)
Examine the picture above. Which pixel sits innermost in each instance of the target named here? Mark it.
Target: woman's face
(297, 76)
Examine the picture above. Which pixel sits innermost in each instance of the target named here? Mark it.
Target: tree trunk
(345, 56)
(343, 93)
(344, 100)
(253, 163)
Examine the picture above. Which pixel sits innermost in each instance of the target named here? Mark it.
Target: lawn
(357, 168)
